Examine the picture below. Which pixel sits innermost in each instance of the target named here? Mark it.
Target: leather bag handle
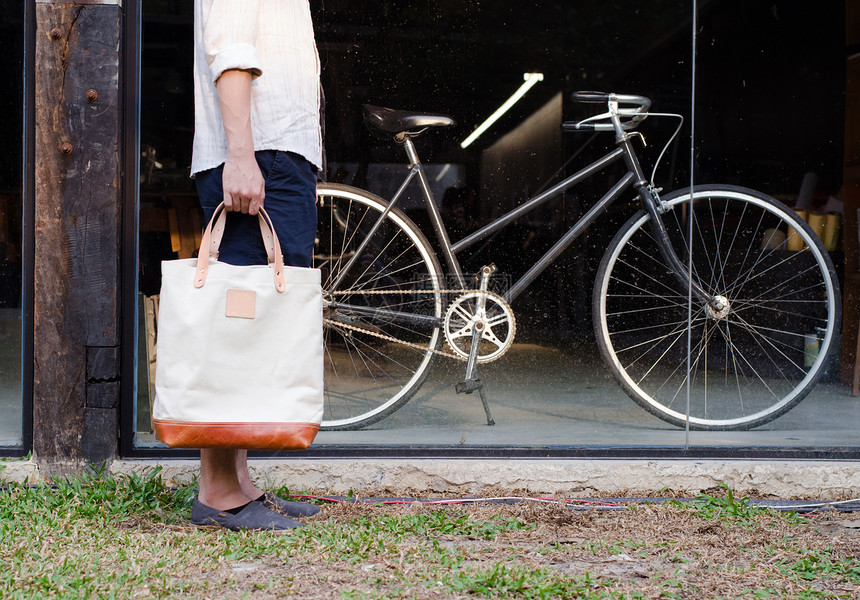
(218, 233)
(212, 241)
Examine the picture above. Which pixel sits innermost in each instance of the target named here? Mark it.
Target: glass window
(170, 219)
(11, 211)
(769, 115)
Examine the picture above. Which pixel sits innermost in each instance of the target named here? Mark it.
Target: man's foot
(253, 516)
(287, 507)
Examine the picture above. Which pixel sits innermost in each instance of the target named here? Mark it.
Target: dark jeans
(290, 202)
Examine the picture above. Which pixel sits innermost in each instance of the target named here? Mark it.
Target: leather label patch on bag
(241, 304)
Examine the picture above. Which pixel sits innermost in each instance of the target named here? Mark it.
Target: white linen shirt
(274, 41)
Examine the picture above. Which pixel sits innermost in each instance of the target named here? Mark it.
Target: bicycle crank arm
(478, 330)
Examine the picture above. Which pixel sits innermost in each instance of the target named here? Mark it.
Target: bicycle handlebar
(578, 126)
(634, 114)
(590, 97)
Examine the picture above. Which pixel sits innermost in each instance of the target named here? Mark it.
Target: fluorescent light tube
(530, 80)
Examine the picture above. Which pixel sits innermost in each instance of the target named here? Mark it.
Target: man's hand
(244, 186)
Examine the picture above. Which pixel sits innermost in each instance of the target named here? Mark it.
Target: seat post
(411, 152)
(433, 210)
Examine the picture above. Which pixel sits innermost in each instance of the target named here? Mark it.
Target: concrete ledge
(819, 480)
(824, 480)
(17, 470)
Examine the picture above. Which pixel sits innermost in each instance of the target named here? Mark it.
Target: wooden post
(77, 246)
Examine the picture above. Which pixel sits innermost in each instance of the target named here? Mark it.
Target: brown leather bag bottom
(250, 436)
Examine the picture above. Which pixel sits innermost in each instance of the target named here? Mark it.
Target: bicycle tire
(367, 376)
(747, 365)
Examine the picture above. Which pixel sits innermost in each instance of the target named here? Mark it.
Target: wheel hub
(719, 309)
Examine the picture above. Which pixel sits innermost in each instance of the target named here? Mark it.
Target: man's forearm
(242, 180)
(234, 99)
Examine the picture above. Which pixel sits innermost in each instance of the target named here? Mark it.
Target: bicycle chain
(389, 338)
(416, 291)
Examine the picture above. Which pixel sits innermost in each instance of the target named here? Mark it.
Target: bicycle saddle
(398, 121)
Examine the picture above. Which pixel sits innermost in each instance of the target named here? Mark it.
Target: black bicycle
(701, 311)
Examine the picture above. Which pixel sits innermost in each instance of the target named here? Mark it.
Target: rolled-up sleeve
(230, 37)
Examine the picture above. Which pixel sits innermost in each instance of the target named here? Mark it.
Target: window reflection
(770, 106)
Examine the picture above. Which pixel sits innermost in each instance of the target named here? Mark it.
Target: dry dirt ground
(641, 550)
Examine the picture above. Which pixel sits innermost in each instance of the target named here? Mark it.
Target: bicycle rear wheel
(749, 363)
(382, 306)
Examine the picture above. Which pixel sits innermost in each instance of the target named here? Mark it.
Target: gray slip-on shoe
(288, 507)
(254, 517)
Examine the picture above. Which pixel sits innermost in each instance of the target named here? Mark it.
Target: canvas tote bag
(240, 350)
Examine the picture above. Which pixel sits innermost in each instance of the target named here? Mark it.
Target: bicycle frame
(634, 176)
(564, 242)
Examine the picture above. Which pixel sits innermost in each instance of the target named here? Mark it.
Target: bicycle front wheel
(383, 308)
(733, 368)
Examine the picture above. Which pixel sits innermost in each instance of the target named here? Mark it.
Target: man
(257, 139)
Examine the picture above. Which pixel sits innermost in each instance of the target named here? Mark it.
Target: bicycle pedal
(468, 386)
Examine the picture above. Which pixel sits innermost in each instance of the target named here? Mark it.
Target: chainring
(495, 321)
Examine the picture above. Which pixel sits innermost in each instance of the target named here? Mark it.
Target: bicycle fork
(717, 303)
(650, 201)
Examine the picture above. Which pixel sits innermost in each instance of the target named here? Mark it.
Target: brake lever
(639, 134)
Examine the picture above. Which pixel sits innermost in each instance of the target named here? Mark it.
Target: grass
(730, 509)
(104, 536)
